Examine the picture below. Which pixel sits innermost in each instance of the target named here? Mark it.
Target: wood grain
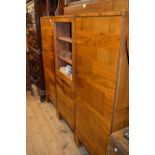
(120, 5)
(97, 64)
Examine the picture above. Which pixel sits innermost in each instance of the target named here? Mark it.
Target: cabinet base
(59, 116)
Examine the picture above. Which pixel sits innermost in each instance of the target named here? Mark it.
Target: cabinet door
(65, 103)
(97, 51)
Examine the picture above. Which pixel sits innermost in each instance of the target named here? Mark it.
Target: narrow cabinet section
(98, 47)
(65, 67)
(48, 58)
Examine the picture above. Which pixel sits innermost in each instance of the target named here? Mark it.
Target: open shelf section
(66, 59)
(64, 53)
(64, 49)
(66, 39)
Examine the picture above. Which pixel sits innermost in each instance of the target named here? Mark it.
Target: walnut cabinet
(93, 99)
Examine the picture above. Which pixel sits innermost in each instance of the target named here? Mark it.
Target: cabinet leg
(77, 141)
(42, 95)
(47, 98)
(42, 98)
(58, 115)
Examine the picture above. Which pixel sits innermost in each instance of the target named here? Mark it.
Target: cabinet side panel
(48, 58)
(121, 115)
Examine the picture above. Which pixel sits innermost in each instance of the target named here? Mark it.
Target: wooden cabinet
(91, 74)
(118, 144)
(65, 67)
(77, 7)
(101, 79)
(35, 9)
(48, 58)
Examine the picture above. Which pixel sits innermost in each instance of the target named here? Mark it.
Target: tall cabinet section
(48, 58)
(101, 77)
(64, 48)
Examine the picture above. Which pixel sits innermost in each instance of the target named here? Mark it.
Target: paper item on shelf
(63, 69)
(67, 70)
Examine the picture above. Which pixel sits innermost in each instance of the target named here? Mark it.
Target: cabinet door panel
(97, 51)
(65, 104)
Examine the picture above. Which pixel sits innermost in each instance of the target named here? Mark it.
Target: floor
(45, 134)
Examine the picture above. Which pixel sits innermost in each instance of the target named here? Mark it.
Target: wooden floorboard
(45, 134)
(34, 135)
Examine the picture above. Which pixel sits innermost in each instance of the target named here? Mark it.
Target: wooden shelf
(64, 74)
(66, 39)
(66, 59)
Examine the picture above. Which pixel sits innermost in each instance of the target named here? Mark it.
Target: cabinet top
(112, 13)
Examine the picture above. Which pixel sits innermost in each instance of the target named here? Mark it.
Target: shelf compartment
(64, 47)
(66, 59)
(66, 39)
(64, 29)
